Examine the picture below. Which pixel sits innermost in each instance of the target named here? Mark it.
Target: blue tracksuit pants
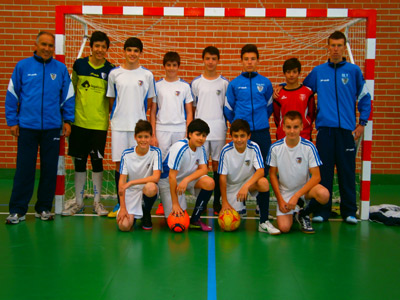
(336, 147)
(28, 143)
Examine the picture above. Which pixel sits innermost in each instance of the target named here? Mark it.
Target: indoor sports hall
(87, 257)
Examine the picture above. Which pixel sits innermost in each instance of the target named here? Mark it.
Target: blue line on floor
(212, 280)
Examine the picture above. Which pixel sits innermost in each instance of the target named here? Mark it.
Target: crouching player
(142, 165)
(241, 171)
(295, 159)
(185, 169)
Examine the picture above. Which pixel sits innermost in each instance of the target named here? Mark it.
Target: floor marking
(212, 279)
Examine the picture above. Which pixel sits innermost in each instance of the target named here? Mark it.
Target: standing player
(249, 97)
(209, 90)
(341, 88)
(241, 170)
(131, 89)
(294, 159)
(39, 105)
(142, 166)
(185, 169)
(172, 110)
(294, 96)
(89, 131)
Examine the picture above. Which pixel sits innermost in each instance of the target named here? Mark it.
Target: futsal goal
(279, 34)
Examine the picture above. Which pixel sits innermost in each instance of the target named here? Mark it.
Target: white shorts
(165, 195)
(239, 206)
(296, 210)
(133, 201)
(214, 148)
(120, 141)
(166, 139)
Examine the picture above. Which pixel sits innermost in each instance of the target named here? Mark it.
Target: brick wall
(21, 20)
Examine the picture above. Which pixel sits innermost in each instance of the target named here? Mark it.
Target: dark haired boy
(185, 169)
(140, 171)
(89, 130)
(294, 96)
(209, 91)
(294, 174)
(131, 89)
(171, 110)
(241, 172)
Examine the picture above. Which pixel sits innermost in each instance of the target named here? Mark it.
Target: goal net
(277, 39)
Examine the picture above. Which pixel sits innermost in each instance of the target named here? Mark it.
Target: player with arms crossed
(241, 169)
(294, 96)
(185, 169)
(294, 159)
(131, 89)
(140, 171)
(209, 90)
(89, 130)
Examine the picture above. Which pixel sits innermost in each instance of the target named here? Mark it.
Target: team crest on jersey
(299, 160)
(219, 92)
(302, 97)
(197, 161)
(103, 75)
(260, 88)
(53, 76)
(140, 82)
(148, 166)
(177, 93)
(345, 78)
(247, 162)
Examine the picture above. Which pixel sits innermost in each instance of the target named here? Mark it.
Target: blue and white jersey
(239, 167)
(171, 100)
(293, 164)
(249, 97)
(339, 88)
(131, 89)
(209, 100)
(140, 166)
(183, 159)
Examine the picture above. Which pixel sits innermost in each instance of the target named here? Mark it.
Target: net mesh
(277, 39)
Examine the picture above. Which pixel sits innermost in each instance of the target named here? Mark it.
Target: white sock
(80, 180)
(97, 178)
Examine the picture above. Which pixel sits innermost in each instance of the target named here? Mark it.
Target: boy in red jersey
(294, 96)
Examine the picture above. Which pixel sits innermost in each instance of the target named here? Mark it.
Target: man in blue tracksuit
(40, 97)
(341, 88)
(249, 97)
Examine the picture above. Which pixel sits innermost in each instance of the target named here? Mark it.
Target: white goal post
(278, 33)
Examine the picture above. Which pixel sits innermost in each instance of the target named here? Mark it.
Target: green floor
(88, 258)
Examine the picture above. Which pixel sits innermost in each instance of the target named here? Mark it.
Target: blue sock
(217, 191)
(116, 177)
(310, 207)
(148, 202)
(263, 203)
(201, 203)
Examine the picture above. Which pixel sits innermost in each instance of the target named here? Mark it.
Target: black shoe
(217, 208)
(304, 222)
(146, 221)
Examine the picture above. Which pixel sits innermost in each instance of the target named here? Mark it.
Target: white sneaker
(71, 208)
(99, 209)
(268, 228)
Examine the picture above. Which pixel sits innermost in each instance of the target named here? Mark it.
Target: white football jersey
(131, 89)
(293, 164)
(239, 167)
(184, 159)
(171, 99)
(209, 99)
(137, 166)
